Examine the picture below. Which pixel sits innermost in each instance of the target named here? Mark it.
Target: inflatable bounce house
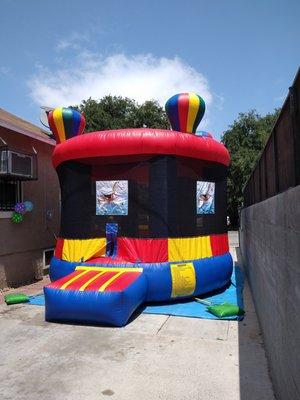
(143, 216)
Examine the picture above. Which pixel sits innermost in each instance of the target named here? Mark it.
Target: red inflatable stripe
(219, 244)
(143, 250)
(76, 285)
(183, 109)
(59, 248)
(57, 284)
(122, 282)
(53, 126)
(97, 283)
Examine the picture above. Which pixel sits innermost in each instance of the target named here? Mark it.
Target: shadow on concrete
(255, 382)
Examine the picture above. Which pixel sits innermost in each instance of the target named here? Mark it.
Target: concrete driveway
(154, 357)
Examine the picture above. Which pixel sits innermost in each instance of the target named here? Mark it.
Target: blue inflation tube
(209, 274)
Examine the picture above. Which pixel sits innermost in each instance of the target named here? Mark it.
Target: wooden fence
(278, 167)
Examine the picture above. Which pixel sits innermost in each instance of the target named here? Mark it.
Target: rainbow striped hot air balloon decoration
(65, 123)
(185, 111)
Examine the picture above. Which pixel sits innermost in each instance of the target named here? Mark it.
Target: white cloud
(63, 44)
(74, 41)
(141, 77)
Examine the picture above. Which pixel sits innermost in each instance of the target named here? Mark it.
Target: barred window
(10, 194)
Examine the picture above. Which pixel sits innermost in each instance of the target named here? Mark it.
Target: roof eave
(26, 132)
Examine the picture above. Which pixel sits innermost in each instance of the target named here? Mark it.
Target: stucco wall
(270, 248)
(22, 245)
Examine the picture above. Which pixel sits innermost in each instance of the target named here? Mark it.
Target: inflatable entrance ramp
(96, 295)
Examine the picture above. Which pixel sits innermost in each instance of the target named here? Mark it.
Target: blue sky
(237, 54)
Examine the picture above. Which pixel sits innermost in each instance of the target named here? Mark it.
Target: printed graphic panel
(183, 279)
(205, 197)
(111, 197)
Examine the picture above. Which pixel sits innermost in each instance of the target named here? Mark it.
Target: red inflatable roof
(132, 143)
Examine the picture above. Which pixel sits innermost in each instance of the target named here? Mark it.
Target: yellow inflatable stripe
(193, 110)
(206, 246)
(59, 123)
(184, 249)
(75, 250)
(113, 278)
(106, 269)
(66, 284)
(82, 288)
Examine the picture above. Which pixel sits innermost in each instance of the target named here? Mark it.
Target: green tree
(115, 112)
(245, 140)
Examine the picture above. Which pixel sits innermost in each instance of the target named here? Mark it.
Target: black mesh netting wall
(161, 198)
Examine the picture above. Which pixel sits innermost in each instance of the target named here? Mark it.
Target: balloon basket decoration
(19, 210)
(143, 215)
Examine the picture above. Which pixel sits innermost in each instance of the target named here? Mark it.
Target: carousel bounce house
(143, 216)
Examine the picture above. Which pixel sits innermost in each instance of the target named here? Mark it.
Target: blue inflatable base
(189, 308)
(154, 284)
(211, 274)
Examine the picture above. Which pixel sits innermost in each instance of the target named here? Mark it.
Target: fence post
(275, 150)
(295, 124)
(266, 180)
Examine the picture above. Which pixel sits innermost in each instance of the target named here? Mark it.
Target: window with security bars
(10, 194)
(48, 254)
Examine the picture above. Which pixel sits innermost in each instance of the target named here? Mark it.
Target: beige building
(26, 173)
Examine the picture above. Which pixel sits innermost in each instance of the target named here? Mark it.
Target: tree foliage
(115, 112)
(245, 140)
